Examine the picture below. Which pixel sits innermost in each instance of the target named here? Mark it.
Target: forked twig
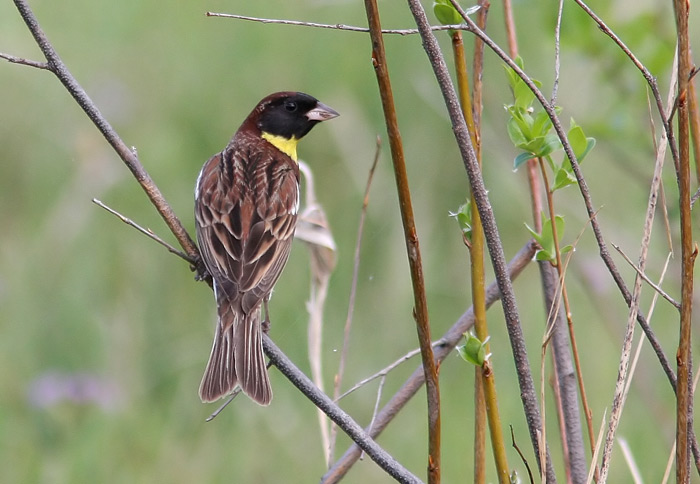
(348, 28)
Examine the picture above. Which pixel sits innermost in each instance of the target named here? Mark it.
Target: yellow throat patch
(288, 146)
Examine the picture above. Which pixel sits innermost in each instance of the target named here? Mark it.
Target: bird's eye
(290, 106)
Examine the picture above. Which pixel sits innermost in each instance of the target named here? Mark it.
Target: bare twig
(557, 56)
(381, 373)
(522, 457)
(420, 309)
(594, 459)
(146, 232)
(348, 28)
(25, 62)
(646, 279)
(443, 347)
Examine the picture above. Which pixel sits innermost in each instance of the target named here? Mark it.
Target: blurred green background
(105, 334)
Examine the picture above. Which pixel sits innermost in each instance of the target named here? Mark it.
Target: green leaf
(515, 132)
(521, 158)
(463, 215)
(550, 143)
(579, 142)
(564, 178)
(446, 13)
(522, 95)
(473, 350)
(542, 123)
(546, 238)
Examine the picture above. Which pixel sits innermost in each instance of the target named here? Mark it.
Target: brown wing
(245, 211)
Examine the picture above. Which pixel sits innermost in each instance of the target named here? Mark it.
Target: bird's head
(284, 118)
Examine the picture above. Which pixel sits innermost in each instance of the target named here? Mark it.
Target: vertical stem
(510, 29)
(477, 273)
(479, 429)
(414, 258)
(688, 252)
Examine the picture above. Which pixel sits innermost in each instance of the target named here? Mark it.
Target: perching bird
(246, 204)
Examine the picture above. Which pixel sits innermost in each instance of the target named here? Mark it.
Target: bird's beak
(322, 113)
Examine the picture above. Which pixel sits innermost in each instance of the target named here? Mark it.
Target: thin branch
(336, 414)
(25, 62)
(522, 457)
(381, 373)
(147, 232)
(443, 347)
(347, 28)
(557, 56)
(420, 308)
(527, 387)
(646, 279)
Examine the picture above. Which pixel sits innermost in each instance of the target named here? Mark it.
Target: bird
(246, 206)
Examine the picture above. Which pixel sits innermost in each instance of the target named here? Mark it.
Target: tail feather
(250, 360)
(237, 358)
(220, 375)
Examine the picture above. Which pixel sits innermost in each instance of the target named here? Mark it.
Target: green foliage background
(82, 294)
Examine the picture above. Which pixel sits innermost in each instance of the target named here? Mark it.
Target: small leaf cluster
(474, 350)
(463, 215)
(546, 241)
(532, 132)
